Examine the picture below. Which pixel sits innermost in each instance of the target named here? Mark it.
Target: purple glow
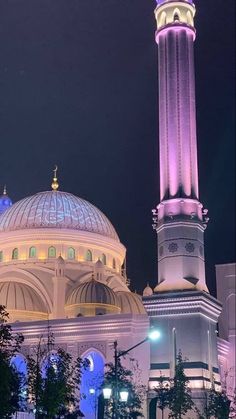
(178, 144)
(159, 2)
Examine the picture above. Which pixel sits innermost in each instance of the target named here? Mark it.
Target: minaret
(179, 218)
(181, 306)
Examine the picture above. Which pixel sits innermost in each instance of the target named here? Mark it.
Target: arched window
(1, 256)
(89, 257)
(189, 18)
(15, 253)
(104, 259)
(114, 264)
(71, 253)
(32, 252)
(163, 19)
(91, 382)
(176, 16)
(18, 362)
(51, 252)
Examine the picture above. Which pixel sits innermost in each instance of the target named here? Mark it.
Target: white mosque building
(61, 259)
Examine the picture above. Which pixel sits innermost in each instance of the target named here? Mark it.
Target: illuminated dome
(5, 202)
(90, 298)
(21, 301)
(130, 303)
(56, 209)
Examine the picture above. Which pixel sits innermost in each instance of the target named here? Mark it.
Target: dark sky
(78, 87)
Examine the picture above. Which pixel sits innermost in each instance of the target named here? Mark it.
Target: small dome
(130, 303)
(148, 291)
(56, 209)
(93, 292)
(5, 202)
(17, 296)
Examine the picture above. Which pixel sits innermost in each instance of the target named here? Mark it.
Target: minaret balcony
(174, 13)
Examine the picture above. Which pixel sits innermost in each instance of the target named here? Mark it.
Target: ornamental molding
(189, 247)
(182, 306)
(78, 329)
(85, 347)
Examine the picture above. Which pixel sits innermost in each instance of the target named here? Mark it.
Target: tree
(11, 381)
(233, 406)
(180, 400)
(162, 394)
(126, 379)
(53, 380)
(219, 404)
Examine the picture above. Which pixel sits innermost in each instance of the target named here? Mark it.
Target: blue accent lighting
(91, 382)
(5, 203)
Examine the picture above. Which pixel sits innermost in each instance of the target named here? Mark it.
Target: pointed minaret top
(55, 184)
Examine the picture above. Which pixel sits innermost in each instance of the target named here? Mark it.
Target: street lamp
(153, 335)
(107, 392)
(124, 394)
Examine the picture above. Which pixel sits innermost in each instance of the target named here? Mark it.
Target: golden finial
(55, 184)
(5, 190)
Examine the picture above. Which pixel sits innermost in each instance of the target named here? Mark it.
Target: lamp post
(153, 335)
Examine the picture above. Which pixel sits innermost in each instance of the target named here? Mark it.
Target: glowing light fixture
(124, 394)
(92, 391)
(154, 334)
(107, 391)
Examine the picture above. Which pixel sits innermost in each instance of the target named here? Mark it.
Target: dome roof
(17, 296)
(130, 303)
(92, 292)
(56, 209)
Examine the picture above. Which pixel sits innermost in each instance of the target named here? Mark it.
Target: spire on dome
(5, 190)
(55, 184)
(147, 292)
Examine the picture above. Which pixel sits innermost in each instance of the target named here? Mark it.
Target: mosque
(62, 262)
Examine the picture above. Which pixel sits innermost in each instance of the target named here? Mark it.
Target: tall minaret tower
(179, 218)
(181, 305)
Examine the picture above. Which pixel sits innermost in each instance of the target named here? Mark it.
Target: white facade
(226, 293)
(61, 266)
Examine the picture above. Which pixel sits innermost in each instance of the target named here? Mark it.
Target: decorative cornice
(183, 303)
(78, 328)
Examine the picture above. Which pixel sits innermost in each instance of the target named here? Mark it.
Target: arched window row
(70, 255)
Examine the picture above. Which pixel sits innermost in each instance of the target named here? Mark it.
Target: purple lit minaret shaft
(179, 218)
(178, 151)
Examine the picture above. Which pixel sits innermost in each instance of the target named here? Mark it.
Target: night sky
(78, 87)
